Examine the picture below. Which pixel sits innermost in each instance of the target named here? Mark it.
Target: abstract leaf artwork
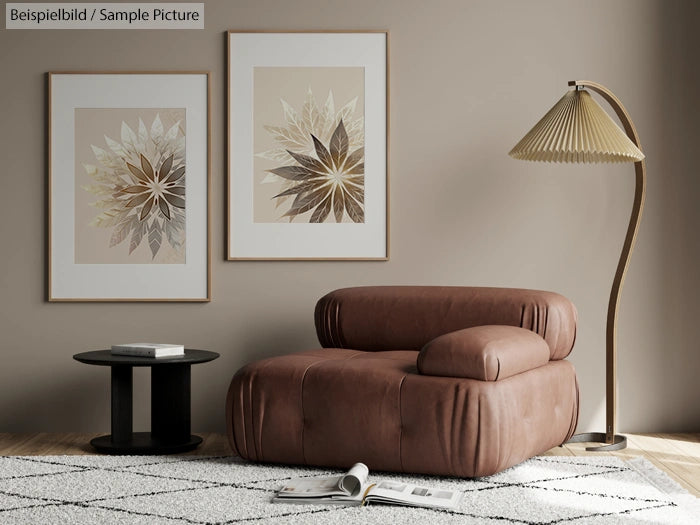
(128, 178)
(137, 184)
(313, 155)
(323, 158)
(307, 145)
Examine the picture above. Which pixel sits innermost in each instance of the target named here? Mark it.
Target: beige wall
(468, 78)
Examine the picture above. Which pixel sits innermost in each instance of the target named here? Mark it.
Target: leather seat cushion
(334, 407)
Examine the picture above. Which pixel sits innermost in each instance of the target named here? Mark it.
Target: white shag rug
(174, 490)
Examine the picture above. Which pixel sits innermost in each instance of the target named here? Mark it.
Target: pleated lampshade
(576, 129)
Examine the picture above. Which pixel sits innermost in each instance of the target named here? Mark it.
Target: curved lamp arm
(618, 442)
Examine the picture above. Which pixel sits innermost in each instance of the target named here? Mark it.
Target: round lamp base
(619, 442)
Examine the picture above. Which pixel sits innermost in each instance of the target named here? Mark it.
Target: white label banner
(140, 15)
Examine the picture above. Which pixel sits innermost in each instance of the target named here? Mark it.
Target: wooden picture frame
(308, 145)
(129, 186)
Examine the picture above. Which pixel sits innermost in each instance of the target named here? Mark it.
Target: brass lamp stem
(612, 440)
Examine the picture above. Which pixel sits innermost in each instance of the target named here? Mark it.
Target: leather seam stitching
(303, 414)
(339, 337)
(401, 425)
(301, 401)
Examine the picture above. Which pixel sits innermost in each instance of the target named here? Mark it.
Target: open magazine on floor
(352, 488)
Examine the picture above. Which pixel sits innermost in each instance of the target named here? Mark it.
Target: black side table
(170, 402)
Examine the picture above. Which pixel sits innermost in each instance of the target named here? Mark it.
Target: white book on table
(148, 349)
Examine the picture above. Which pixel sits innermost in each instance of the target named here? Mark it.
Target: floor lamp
(577, 129)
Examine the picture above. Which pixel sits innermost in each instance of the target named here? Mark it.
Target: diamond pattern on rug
(13, 467)
(191, 490)
(76, 515)
(218, 470)
(96, 484)
(8, 502)
(214, 505)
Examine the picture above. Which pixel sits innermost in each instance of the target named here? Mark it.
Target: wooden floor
(676, 454)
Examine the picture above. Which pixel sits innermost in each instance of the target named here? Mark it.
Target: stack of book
(148, 350)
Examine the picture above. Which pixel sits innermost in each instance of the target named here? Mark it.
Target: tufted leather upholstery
(362, 398)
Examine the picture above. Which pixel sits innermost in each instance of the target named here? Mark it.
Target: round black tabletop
(107, 358)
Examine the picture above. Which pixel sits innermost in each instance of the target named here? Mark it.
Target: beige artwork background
(91, 242)
(270, 85)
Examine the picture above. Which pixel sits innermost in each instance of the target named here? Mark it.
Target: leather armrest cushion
(488, 353)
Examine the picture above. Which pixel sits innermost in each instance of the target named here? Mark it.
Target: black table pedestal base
(170, 402)
(143, 443)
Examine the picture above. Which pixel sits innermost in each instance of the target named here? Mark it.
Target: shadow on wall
(659, 328)
(82, 398)
(678, 187)
(285, 338)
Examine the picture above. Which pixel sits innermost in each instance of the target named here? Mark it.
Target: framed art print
(308, 139)
(129, 186)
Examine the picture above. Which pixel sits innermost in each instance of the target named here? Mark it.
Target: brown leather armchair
(437, 380)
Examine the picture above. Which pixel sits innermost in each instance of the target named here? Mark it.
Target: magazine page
(348, 487)
(311, 488)
(396, 493)
(355, 479)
